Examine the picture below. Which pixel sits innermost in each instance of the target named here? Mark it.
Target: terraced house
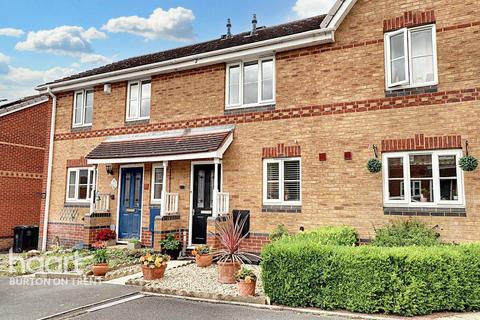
(278, 122)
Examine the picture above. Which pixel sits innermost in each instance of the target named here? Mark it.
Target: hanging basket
(468, 163)
(374, 165)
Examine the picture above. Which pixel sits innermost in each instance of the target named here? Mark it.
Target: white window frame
(408, 52)
(84, 101)
(90, 184)
(241, 65)
(281, 180)
(407, 202)
(154, 200)
(139, 100)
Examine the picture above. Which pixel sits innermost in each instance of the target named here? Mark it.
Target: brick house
(24, 140)
(279, 121)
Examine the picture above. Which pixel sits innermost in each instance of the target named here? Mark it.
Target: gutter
(323, 35)
(49, 170)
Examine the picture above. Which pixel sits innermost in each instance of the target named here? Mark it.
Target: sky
(44, 40)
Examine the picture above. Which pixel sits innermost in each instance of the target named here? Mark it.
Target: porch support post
(93, 196)
(164, 189)
(216, 162)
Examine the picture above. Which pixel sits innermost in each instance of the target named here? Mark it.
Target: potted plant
(134, 244)
(100, 262)
(154, 265)
(170, 246)
(246, 282)
(229, 256)
(425, 195)
(107, 236)
(203, 258)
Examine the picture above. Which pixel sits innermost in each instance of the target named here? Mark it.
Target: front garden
(406, 270)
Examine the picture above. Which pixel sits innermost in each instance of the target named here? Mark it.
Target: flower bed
(297, 271)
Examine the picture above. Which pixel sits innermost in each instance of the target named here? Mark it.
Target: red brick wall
(23, 145)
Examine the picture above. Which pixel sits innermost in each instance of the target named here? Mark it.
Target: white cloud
(174, 24)
(310, 8)
(94, 59)
(11, 32)
(4, 59)
(20, 82)
(64, 40)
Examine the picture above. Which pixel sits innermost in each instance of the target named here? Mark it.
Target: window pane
(157, 191)
(291, 191)
(397, 46)
(421, 166)
(78, 108)
(267, 80)
(146, 92)
(234, 85)
(395, 190)
(82, 184)
(273, 185)
(272, 171)
(426, 190)
(91, 183)
(137, 192)
(448, 189)
(448, 166)
(82, 192)
(273, 190)
(395, 167)
(71, 184)
(422, 43)
(422, 69)
(158, 175)
(88, 115)
(83, 176)
(89, 98)
(250, 83)
(133, 100)
(398, 70)
(291, 170)
(158, 183)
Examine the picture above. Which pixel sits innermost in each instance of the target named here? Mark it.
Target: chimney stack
(229, 28)
(254, 25)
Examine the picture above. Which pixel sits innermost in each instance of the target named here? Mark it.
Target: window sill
(282, 208)
(136, 122)
(425, 211)
(71, 204)
(82, 128)
(248, 109)
(410, 90)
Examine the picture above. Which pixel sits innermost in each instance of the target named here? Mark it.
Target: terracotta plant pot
(203, 260)
(246, 289)
(227, 270)
(101, 269)
(153, 273)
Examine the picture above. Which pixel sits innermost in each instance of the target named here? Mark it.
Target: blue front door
(130, 203)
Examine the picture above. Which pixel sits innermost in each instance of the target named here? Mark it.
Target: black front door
(203, 178)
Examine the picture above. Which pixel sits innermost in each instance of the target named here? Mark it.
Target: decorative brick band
(425, 212)
(81, 162)
(281, 151)
(282, 208)
(21, 145)
(409, 19)
(426, 99)
(15, 174)
(420, 142)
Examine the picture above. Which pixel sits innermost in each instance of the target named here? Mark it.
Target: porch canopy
(185, 144)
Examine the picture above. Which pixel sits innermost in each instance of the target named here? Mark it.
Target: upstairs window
(80, 183)
(428, 178)
(282, 181)
(83, 108)
(411, 57)
(138, 100)
(250, 83)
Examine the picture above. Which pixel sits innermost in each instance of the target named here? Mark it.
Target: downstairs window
(80, 183)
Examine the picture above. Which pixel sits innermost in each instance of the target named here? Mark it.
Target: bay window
(282, 181)
(80, 183)
(411, 57)
(426, 178)
(83, 108)
(250, 83)
(138, 100)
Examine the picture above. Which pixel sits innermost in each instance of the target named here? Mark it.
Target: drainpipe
(49, 170)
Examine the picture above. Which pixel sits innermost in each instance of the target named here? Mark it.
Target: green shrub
(407, 281)
(279, 232)
(341, 236)
(406, 233)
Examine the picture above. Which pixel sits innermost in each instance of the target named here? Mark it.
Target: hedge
(331, 235)
(407, 281)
